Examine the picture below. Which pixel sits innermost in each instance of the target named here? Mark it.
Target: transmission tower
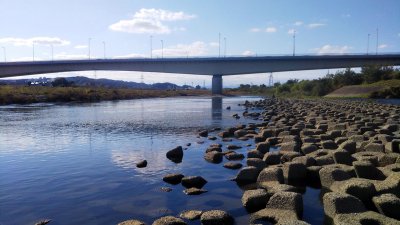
(271, 80)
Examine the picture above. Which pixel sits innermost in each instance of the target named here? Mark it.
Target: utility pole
(89, 40)
(368, 44)
(377, 40)
(294, 42)
(104, 49)
(4, 51)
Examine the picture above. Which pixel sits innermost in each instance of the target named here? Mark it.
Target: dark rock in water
(203, 133)
(132, 222)
(212, 138)
(191, 214)
(233, 165)
(234, 156)
(43, 222)
(193, 181)
(166, 189)
(213, 157)
(213, 148)
(200, 142)
(141, 164)
(174, 178)
(233, 147)
(224, 134)
(214, 217)
(188, 144)
(254, 200)
(228, 107)
(175, 155)
(194, 191)
(227, 139)
(169, 220)
(236, 116)
(247, 175)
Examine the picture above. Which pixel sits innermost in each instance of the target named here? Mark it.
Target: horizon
(138, 28)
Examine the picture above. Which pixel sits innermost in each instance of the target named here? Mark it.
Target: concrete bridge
(216, 67)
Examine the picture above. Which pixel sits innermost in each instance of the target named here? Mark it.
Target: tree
(61, 82)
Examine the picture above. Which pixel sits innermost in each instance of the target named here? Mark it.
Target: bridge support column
(216, 87)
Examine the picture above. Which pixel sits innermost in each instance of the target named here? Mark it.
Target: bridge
(216, 67)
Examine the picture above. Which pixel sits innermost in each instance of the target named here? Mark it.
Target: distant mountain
(85, 81)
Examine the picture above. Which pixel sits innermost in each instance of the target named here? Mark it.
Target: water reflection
(216, 108)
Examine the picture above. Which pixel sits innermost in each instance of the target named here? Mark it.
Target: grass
(10, 94)
(363, 90)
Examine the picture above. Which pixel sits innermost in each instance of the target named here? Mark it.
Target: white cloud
(332, 49)
(255, 30)
(36, 40)
(382, 46)
(80, 46)
(151, 21)
(315, 25)
(298, 23)
(24, 59)
(197, 48)
(248, 53)
(271, 30)
(132, 55)
(214, 44)
(291, 31)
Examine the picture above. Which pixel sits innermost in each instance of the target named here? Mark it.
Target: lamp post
(368, 44)
(89, 40)
(104, 49)
(162, 49)
(4, 51)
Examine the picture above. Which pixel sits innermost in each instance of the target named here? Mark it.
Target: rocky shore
(350, 149)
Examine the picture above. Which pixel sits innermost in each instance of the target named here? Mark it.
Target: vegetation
(10, 94)
(325, 85)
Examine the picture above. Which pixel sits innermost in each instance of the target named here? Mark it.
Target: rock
(305, 160)
(233, 147)
(191, 214)
(368, 217)
(175, 154)
(337, 203)
(342, 157)
(388, 205)
(272, 158)
(213, 149)
(308, 148)
(234, 156)
(289, 156)
(247, 175)
(313, 174)
(367, 170)
(255, 154)
(129, 222)
(263, 147)
(203, 133)
(46, 221)
(328, 175)
(193, 181)
(294, 172)
(254, 200)
(166, 189)
(324, 160)
(212, 138)
(363, 189)
(174, 178)
(273, 188)
(240, 133)
(292, 222)
(393, 146)
(329, 144)
(374, 147)
(272, 140)
(256, 162)
(213, 157)
(287, 201)
(224, 134)
(233, 165)
(169, 220)
(141, 164)
(194, 191)
(271, 174)
(216, 217)
(290, 146)
(390, 185)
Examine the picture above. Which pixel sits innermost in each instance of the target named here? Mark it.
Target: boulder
(393, 146)
(294, 172)
(388, 205)
(169, 220)
(240, 133)
(254, 200)
(233, 165)
(213, 157)
(256, 162)
(191, 214)
(287, 201)
(363, 189)
(329, 144)
(272, 158)
(308, 148)
(193, 181)
(290, 146)
(175, 154)
(368, 217)
(342, 157)
(367, 170)
(255, 154)
(216, 217)
(247, 175)
(203, 133)
(350, 146)
(271, 174)
(337, 203)
(132, 222)
(328, 175)
(174, 178)
(233, 147)
(305, 160)
(141, 164)
(374, 147)
(194, 191)
(234, 156)
(263, 147)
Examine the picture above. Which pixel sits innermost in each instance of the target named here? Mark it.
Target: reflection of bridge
(217, 67)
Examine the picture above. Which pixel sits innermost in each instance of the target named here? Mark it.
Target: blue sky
(191, 28)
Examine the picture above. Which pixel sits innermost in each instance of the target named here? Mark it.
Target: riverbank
(381, 89)
(33, 94)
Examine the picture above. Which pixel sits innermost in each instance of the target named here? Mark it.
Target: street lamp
(104, 49)
(4, 51)
(89, 40)
(162, 49)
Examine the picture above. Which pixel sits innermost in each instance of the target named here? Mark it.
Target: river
(75, 163)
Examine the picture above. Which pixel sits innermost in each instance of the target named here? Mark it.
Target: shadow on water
(216, 108)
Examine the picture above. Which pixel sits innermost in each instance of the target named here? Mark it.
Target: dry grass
(364, 90)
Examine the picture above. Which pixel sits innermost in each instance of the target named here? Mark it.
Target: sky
(61, 29)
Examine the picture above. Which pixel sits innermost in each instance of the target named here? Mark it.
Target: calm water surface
(75, 163)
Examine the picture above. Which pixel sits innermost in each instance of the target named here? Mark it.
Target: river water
(76, 163)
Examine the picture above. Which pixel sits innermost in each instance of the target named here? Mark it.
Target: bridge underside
(217, 67)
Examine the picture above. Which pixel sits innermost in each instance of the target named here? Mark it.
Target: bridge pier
(216, 87)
